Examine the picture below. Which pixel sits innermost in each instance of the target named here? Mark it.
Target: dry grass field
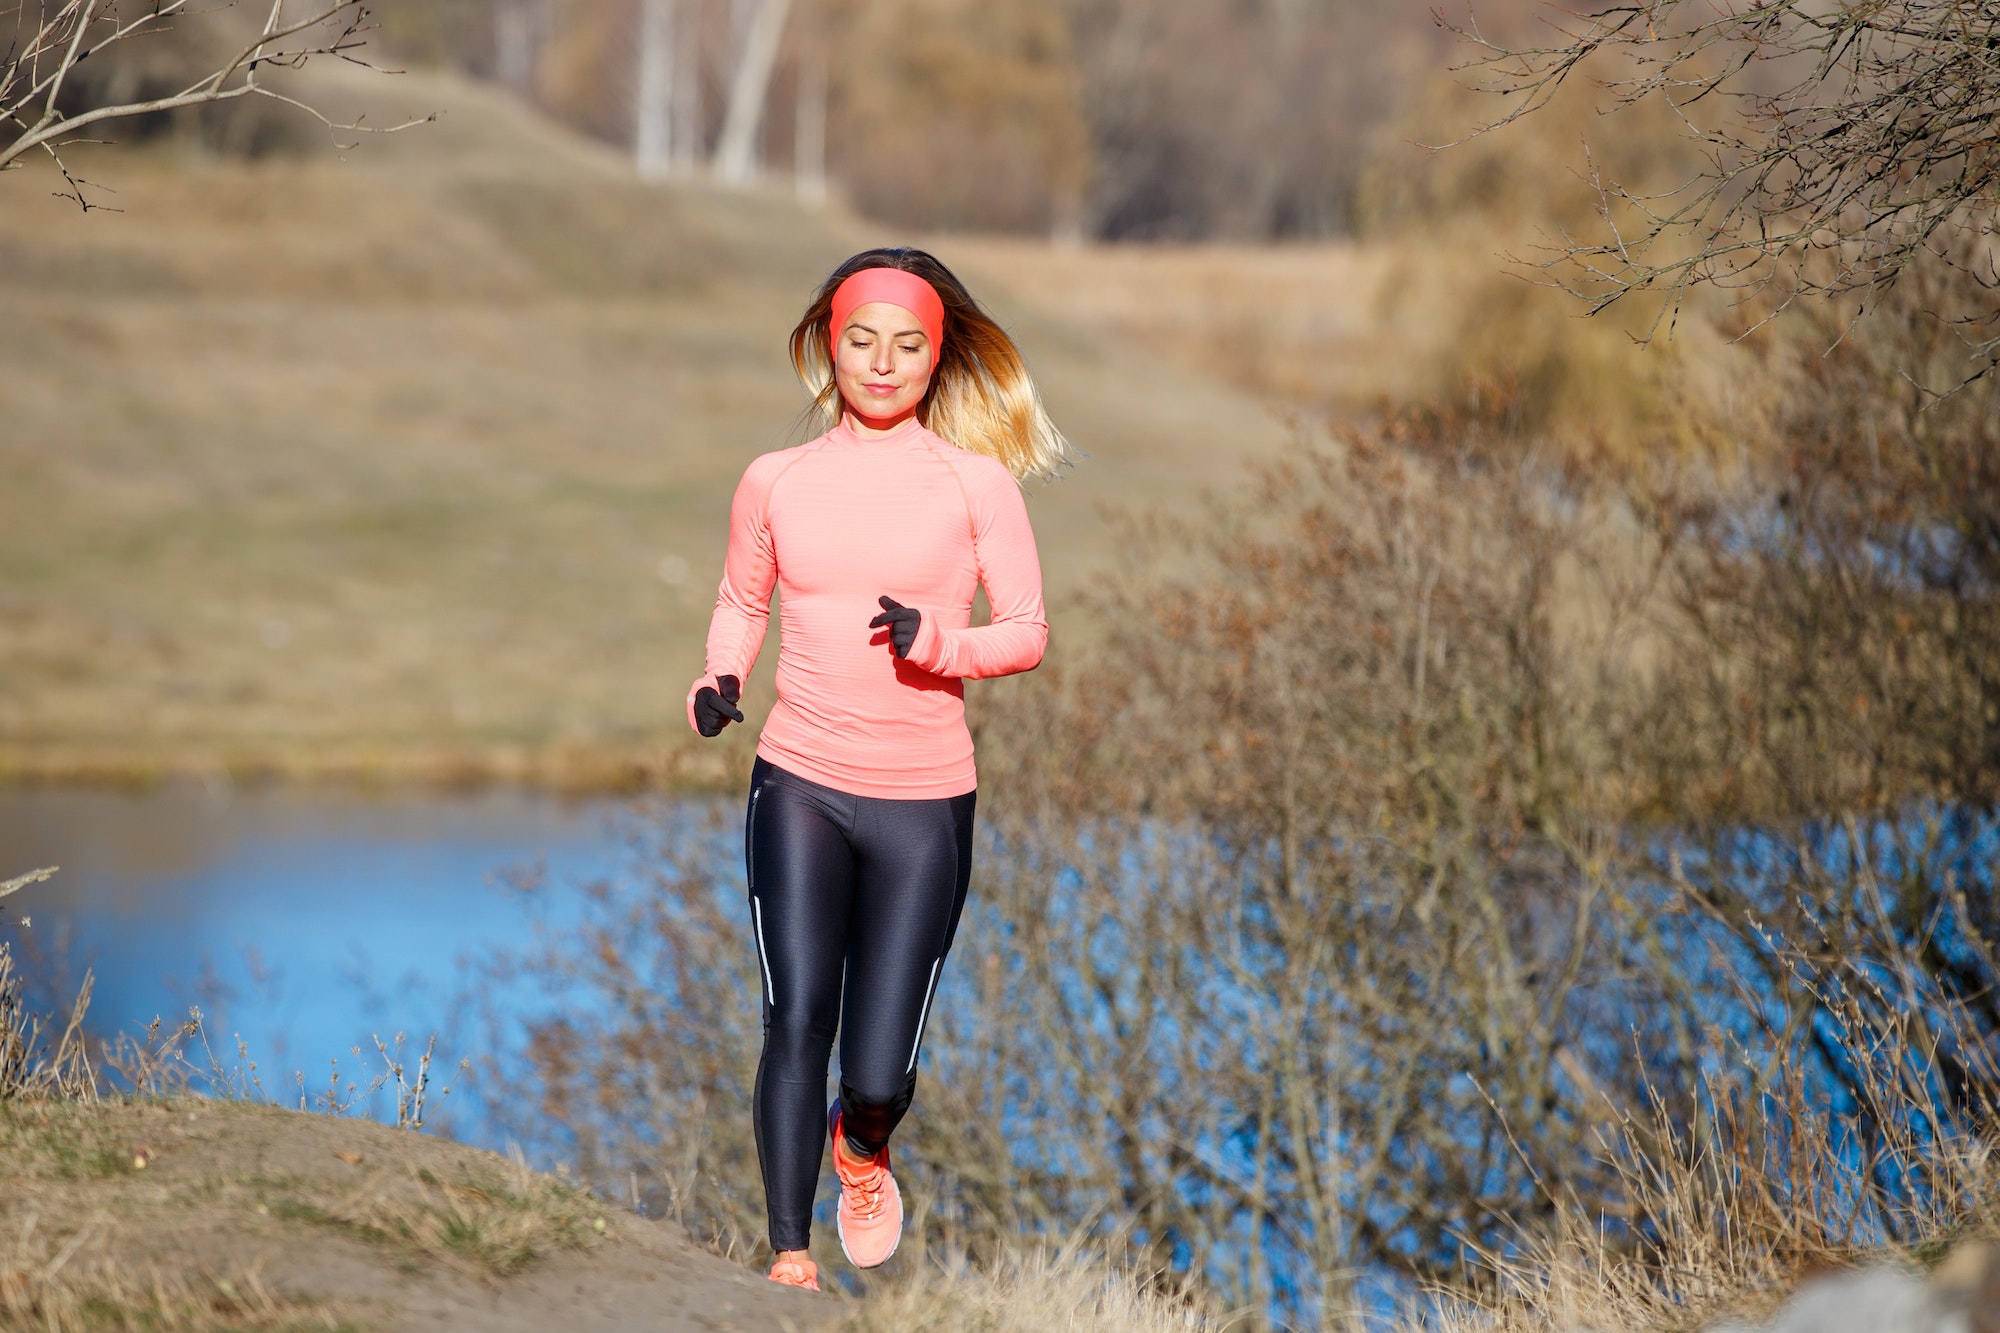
(413, 462)
(1315, 326)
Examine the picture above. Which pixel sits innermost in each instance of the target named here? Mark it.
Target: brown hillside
(414, 460)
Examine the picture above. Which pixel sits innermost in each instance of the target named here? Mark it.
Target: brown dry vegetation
(1031, 1291)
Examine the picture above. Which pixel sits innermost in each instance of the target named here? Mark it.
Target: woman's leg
(801, 871)
(913, 861)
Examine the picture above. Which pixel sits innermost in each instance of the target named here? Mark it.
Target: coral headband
(897, 288)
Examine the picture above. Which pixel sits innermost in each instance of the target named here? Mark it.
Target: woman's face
(882, 361)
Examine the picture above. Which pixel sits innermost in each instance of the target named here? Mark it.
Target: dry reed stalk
(26, 1068)
(1727, 1211)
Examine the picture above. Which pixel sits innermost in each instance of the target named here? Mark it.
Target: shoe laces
(866, 1184)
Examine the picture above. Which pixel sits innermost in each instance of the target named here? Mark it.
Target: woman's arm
(1011, 572)
(743, 601)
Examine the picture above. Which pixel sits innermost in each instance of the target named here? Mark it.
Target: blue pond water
(305, 923)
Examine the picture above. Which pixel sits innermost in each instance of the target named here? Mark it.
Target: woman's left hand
(902, 622)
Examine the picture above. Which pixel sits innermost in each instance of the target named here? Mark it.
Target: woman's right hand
(712, 710)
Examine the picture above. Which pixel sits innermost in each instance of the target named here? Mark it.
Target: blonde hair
(981, 397)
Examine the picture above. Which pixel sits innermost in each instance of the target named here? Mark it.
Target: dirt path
(195, 1214)
(649, 1280)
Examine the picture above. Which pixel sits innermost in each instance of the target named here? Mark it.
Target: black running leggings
(855, 900)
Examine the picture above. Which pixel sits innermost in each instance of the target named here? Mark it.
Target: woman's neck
(869, 428)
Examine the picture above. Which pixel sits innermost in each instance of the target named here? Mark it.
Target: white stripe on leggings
(930, 993)
(757, 911)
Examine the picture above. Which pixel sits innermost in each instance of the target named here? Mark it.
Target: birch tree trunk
(809, 138)
(736, 150)
(516, 34)
(687, 109)
(653, 137)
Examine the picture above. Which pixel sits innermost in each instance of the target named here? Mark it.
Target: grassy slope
(391, 465)
(246, 1216)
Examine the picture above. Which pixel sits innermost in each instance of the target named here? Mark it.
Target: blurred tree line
(1112, 119)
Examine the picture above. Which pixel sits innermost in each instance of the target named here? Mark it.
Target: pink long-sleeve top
(835, 524)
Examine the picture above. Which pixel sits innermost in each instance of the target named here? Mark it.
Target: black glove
(712, 711)
(902, 622)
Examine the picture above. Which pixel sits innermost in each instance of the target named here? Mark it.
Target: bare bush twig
(1840, 143)
(50, 41)
(412, 1108)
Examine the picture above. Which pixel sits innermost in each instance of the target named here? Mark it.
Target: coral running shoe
(795, 1270)
(870, 1217)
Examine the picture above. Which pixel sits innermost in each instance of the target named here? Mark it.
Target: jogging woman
(858, 837)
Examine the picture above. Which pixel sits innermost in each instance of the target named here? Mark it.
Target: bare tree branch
(20, 882)
(1841, 142)
(31, 100)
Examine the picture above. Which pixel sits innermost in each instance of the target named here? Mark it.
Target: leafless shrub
(1432, 710)
(1724, 1210)
(1835, 603)
(155, 1063)
(1822, 820)
(174, 1060)
(1350, 876)
(413, 1105)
